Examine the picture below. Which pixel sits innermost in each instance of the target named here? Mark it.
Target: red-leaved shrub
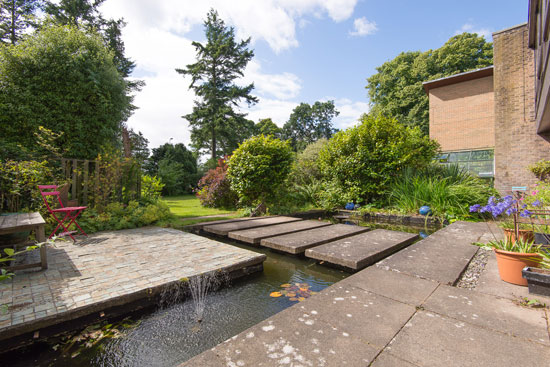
(214, 189)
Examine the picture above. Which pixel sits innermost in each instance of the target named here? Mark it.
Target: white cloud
(350, 111)
(157, 39)
(470, 28)
(363, 27)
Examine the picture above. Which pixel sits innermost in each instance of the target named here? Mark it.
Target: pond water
(170, 335)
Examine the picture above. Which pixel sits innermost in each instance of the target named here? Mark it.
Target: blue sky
(305, 50)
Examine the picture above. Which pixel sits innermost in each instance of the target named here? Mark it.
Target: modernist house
(495, 121)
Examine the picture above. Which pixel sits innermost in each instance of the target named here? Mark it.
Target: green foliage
(175, 166)
(215, 125)
(214, 188)
(258, 168)
(541, 169)
(267, 127)
(360, 162)
(519, 245)
(305, 169)
(117, 216)
(308, 124)
(151, 188)
(64, 80)
(447, 189)
(16, 16)
(18, 184)
(396, 89)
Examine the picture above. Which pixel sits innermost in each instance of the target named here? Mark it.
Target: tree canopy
(215, 124)
(309, 123)
(267, 127)
(396, 89)
(65, 80)
(15, 17)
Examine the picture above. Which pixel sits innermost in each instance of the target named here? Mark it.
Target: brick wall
(462, 115)
(516, 143)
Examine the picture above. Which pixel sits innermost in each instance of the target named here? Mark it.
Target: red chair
(70, 213)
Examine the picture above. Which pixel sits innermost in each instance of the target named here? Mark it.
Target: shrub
(258, 168)
(448, 190)
(541, 169)
(361, 161)
(151, 188)
(305, 169)
(214, 188)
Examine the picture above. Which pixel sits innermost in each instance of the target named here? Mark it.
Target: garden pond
(170, 335)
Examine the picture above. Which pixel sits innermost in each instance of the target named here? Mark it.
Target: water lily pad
(293, 299)
(291, 294)
(286, 285)
(301, 299)
(275, 294)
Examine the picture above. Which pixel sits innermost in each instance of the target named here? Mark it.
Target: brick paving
(106, 270)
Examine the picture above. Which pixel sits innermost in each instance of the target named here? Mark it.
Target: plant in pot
(513, 257)
(512, 254)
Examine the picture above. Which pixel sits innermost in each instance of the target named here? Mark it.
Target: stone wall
(516, 143)
(462, 115)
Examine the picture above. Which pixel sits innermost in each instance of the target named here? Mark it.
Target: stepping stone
(359, 251)
(222, 221)
(255, 235)
(443, 256)
(223, 229)
(297, 243)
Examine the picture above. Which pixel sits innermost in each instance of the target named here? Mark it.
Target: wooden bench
(26, 222)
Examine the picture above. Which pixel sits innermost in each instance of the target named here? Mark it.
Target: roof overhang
(458, 78)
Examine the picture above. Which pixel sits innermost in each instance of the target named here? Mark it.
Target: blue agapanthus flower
(537, 203)
(525, 213)
(475, 208)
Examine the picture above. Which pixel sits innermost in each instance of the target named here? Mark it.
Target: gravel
(470, 277)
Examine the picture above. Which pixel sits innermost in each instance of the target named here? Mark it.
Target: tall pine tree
(215, 125)
(15, 17)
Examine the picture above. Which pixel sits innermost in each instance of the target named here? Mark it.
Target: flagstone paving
(393, 314)
(109, 269)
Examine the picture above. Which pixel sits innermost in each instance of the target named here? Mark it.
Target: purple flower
(475, 208)
(525, 213)
(537, 203)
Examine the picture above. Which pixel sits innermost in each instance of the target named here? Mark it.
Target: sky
(304, 50)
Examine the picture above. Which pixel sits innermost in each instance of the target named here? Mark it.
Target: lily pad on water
(294, 292)
(275, 294)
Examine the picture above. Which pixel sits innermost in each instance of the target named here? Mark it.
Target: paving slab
(223, 229)
(359, 251)
(443, 256)
(255, 235)
(110, 269)
(298, 243)
(385, 359)
(199, 226)
(398, 286)
(433, 340)
(324, 330)
(490, 312)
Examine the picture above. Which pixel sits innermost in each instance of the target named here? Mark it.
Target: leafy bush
(117, 216)
(151, 188)
(214, 188)
(447, 189)
(541, 169)
(305, 169)
(258, 168)
(18, 184)
(360, 162)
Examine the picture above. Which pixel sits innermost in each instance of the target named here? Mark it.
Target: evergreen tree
(15, 17)
(215, 125)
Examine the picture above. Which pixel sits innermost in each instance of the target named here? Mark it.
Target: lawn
(187, 206)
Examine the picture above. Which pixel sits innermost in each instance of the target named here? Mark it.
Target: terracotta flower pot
(510, 264)
(525, 234)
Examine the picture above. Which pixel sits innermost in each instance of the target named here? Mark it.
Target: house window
(480, 163)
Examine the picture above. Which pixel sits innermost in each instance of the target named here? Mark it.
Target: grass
(189, 206)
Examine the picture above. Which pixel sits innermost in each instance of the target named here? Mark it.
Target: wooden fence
(93, 182)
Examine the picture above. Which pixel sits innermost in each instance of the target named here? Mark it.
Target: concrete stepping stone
(443, 256)
(223, 229)
(298, 243)
(255, 235)
(198, 226)
(359, 251)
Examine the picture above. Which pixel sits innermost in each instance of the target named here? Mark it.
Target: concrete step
(199, 226)
(255, 235)
(443, 256)
(297, 243)
(223, 229)
(359, 251)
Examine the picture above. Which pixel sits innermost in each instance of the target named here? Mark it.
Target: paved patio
(110, 269)
(401, 312)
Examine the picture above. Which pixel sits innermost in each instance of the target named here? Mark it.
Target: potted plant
(513, 257)
(538, 278)
(525, 232)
